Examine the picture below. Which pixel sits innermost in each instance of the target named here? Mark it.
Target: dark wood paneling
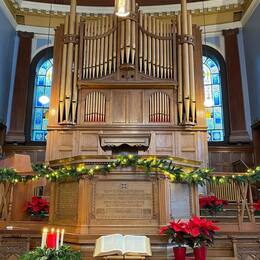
(238, 131)
(111, 2)
(2, 137)
(16, 132)
(221, 158)
(256, 141)
(37, 153)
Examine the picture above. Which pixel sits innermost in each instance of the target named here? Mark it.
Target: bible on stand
(121, 245)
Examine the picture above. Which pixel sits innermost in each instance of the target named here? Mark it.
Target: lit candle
(62, 237)
(51, 239)
(44, 237)
(57, 239)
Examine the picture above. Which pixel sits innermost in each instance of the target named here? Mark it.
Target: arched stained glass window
(41, 99)
(213, 99)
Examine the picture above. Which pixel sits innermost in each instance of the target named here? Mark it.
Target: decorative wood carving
(108, 141)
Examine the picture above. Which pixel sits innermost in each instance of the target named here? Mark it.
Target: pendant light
(44, 99)
(122, 8)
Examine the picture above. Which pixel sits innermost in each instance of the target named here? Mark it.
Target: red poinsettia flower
(163, 230)
(212, 204)
(257, 206)
(38, 207)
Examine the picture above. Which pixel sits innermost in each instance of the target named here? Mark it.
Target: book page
(137, 245)
(109, 245)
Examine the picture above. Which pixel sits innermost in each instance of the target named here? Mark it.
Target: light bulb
(44, 100)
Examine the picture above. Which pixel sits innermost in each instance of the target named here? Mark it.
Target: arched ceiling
(111, 2)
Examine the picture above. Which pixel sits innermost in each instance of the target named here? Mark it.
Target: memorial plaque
(180, 201)
(123, 200)
(67, 201)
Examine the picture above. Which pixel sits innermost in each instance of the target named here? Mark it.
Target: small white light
(44, 100)
(122, 8)
(9, 227)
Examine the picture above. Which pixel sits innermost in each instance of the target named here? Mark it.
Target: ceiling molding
(220, 27)
(8, 14)
(36, 29)
(249, 12)
(45, 7)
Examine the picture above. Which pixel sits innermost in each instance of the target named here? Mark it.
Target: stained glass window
(213, 100)
(41, 100)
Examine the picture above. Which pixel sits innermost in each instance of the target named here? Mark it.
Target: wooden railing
(239, 194)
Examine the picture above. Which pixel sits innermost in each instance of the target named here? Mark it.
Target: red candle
(51, 239)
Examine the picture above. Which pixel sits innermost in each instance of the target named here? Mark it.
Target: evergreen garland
(64, 253)
(151, 164)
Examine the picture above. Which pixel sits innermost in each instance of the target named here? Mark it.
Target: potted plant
(201, 234)
(212, 204)
(178, 235)
(38, 208)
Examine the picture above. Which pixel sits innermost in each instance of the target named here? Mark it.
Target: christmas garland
(152, 164)
(64, 253)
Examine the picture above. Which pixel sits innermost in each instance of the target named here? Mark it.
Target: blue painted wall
(251, 33)
(7, 41)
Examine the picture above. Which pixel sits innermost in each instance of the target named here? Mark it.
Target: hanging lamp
(122, 8)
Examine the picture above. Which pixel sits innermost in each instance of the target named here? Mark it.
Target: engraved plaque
(123, 200)
(180, 201)
(67, 201)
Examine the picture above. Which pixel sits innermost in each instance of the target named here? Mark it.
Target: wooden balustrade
(240, 194)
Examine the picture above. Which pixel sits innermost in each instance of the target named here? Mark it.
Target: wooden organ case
(134, 81)
(130, 84)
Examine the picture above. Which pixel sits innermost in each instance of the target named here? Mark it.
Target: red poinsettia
(212, 204)
(177, 232)
(201, 231)
(39, 207)
(257, 206)
(196, 232)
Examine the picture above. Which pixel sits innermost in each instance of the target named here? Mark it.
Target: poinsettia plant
(176, 231)
(212, 204)
(196, 232)
(257, 206)
(39, 207)
(202, 232)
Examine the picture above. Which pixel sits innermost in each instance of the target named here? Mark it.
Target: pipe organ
(159, 107)
(126, 72)
(140, 47)
(95, 107)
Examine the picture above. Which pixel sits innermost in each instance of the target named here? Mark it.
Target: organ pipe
(185, 56)
(191, 75)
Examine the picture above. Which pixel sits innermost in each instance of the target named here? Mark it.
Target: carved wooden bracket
(140, 141)
(185, 39)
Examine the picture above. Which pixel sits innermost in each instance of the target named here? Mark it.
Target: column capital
(28, 35)
(230, 32)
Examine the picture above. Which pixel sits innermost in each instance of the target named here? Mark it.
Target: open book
(117, 244)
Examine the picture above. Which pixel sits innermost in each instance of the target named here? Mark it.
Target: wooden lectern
(14, 196)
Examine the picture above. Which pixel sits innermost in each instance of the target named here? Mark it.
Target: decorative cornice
(194, 7)
(220, 27)
(35, 29)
